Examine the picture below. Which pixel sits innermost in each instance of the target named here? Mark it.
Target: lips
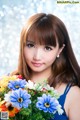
(37, 64)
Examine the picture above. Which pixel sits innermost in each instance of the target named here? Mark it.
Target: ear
(60, 50)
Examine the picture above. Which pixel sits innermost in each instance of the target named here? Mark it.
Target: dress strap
(67, 88)
(63, 96)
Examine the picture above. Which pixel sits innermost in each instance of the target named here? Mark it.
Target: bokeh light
(13, 15)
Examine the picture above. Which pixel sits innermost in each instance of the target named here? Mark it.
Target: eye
(48, 48)
(30, 45)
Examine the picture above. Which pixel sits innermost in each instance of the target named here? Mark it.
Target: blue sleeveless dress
(62, 101)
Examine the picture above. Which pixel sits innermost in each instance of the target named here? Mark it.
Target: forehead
(42, 35)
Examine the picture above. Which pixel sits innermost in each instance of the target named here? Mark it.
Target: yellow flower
(2, 89)
(4, 80)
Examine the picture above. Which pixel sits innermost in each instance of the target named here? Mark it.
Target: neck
(40, 77)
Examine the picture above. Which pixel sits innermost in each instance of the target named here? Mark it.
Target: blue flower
(17, 84)
(20, 98)
(47, 103)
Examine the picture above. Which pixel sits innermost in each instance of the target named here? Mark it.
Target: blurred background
(13, 15)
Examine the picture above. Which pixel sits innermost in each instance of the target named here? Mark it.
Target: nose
(37, 54)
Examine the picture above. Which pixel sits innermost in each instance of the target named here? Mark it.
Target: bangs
(42, 34)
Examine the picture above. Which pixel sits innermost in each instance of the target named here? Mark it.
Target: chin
(37, 70)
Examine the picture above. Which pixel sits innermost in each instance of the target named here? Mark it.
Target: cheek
(51, 57)
(27, 54)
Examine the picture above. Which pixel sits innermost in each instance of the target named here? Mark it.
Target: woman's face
(40, 57)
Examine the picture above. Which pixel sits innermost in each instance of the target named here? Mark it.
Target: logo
(67, 2)
(4, 115)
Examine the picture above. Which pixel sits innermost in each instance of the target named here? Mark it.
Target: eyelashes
(30, 45)
(45, 47)
(48, 48)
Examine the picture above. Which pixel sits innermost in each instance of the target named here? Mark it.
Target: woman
(46, 53)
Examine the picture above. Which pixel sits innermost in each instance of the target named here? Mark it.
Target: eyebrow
(30, 41)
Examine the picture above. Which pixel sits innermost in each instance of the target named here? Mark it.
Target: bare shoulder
(73, 99)
(74, 91)
(74, 94)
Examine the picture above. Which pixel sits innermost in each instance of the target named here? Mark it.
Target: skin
(40, 59)
(72, 102)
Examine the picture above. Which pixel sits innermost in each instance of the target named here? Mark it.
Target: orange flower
(10, 109)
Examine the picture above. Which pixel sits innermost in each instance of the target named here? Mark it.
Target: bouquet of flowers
(25, 100)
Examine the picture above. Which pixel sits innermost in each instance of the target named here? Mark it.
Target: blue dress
(62, 101)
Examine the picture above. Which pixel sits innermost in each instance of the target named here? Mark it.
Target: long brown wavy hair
(46, 29)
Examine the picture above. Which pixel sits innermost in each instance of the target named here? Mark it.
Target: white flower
(34, 86)
(47, 87)
(30, 85)
(7, 98)
(60, 110)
